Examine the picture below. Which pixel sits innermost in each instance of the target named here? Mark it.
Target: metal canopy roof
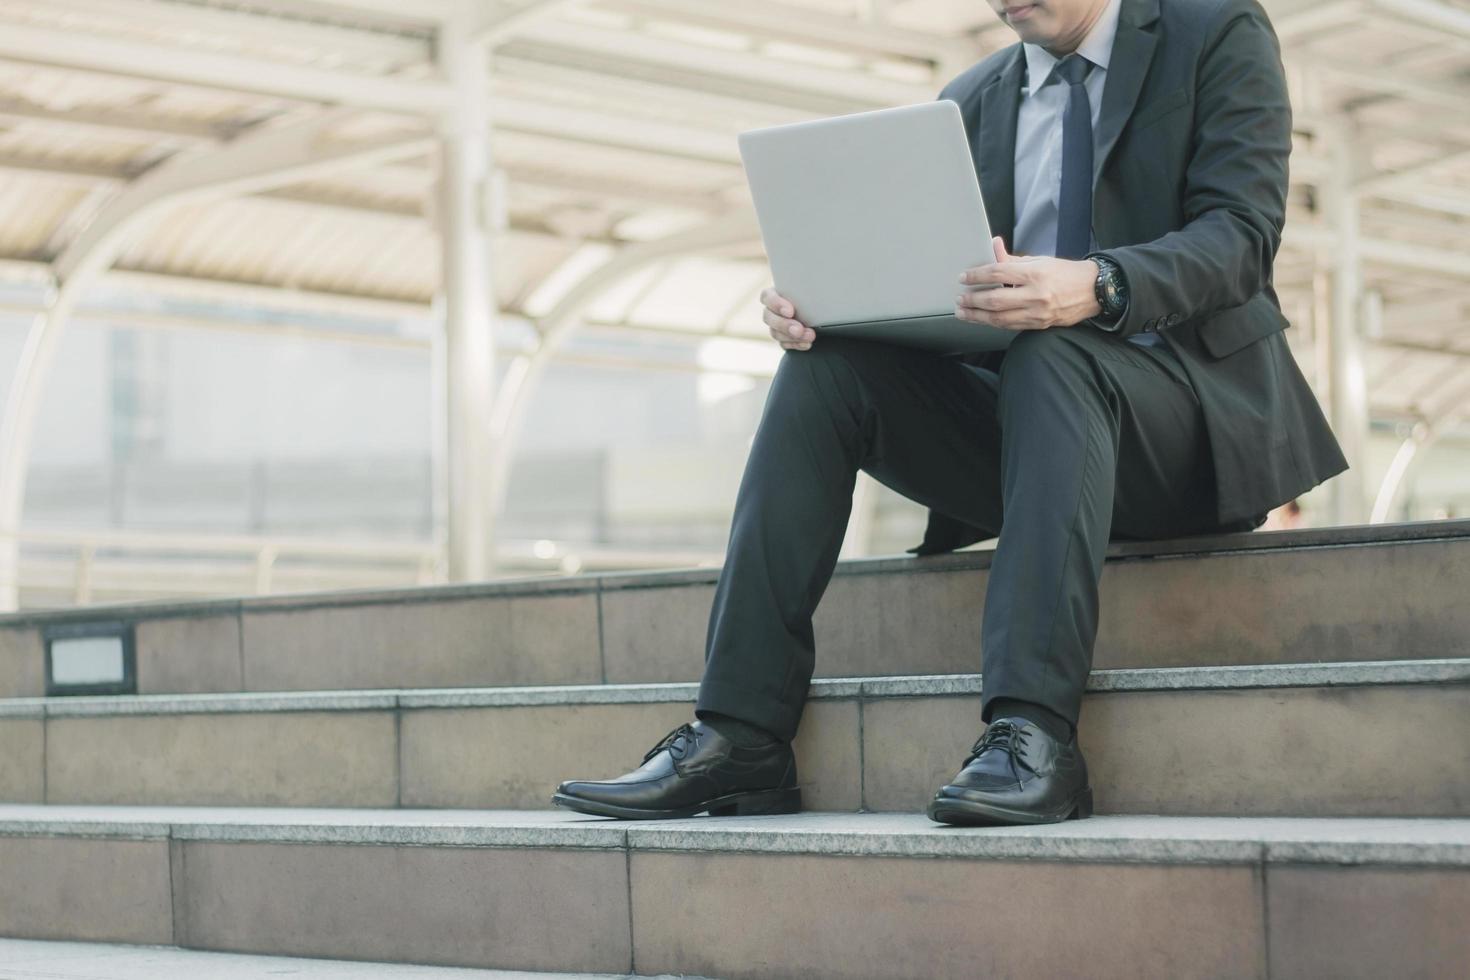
(613, 124)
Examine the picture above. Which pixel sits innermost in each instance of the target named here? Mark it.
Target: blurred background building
(305, 294)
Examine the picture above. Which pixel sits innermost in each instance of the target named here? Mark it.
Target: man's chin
(1033, 33)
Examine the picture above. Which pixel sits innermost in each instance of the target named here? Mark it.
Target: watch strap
(1109, 320)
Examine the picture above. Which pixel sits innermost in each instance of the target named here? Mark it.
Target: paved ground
(23, 959)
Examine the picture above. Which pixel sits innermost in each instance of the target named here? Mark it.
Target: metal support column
(469, 349)
(1347, 380)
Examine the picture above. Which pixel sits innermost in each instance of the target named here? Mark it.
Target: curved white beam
(255, 28)
(649, 56)
(257, 161)
(283, 154)
(1430, 13)
(491, 24)
(218, 70)
(1413, 450)
(508, 413)
(768, 20)
(1398, 468)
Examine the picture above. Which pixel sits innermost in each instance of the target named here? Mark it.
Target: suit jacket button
(1174, 318)
(1149, 324)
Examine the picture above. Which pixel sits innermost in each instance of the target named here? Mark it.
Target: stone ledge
(1104, 839)
(1109, 838)
(145, 609)
(1250, 542)
(65, 960)
(1350, 674)
(177, 704)
(316, 825)
(498, 697)
(24, 707)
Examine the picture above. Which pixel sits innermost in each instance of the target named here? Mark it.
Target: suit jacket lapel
(994, 146)
(1133, 52)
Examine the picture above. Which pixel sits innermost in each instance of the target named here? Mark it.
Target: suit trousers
(1079, 437)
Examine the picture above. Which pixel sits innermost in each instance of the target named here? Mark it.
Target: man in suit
(1135, 153)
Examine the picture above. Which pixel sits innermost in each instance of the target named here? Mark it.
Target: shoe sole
(968, 813)
(744, 804)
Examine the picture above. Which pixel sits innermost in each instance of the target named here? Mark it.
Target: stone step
(1378, 738)
(1354, 593)
(809, 895)
(34, 959)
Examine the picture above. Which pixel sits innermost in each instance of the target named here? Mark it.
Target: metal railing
(84, 566)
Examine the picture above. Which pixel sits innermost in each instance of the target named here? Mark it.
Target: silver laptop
(869, 219)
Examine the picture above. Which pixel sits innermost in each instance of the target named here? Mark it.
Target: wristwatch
(1111, 289)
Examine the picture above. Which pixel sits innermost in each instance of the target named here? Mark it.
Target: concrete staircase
(1278, 730)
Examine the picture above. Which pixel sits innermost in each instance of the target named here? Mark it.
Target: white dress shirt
(1039, 132)
(1039, 137)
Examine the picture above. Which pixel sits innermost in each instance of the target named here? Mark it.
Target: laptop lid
(870, 216)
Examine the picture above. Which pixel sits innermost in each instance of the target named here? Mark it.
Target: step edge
(1358, 673)
(1445, 843)
(81, 958)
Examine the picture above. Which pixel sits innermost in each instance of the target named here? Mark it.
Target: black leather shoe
(1016, 774)
(693, 769)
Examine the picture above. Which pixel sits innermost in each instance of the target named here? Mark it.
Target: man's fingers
(788, 342)
(996, 300)
(1010, 320)
(782, 327)
(776, 320)
(1007, 320)
(1012, 272)
(1016, 319)
(777, 303)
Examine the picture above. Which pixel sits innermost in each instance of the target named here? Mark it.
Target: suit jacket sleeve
(1234, 196)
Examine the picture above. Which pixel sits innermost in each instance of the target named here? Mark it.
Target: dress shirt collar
(1096, 47)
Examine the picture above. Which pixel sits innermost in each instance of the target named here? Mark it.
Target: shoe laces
(1002, 736)
(680, 742)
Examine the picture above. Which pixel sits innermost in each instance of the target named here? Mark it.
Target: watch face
(1115, 292)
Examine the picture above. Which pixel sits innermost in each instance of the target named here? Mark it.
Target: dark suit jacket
(1193, 137)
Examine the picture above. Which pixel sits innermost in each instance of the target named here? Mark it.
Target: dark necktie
(1074, 203)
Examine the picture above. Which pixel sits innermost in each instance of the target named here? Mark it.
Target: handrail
(223, 543)
(259, 556)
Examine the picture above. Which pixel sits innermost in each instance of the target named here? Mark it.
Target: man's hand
(1035, 292)
(780, 318)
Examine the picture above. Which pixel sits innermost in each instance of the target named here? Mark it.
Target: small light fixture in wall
(90, 658)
